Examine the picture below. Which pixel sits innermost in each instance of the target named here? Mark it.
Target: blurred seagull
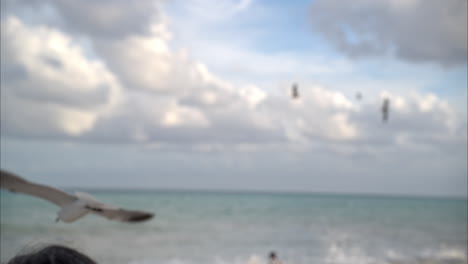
(72, 206)
(295, 91)
(385, 109)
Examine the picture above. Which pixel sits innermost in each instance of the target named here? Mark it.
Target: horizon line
(259, 191)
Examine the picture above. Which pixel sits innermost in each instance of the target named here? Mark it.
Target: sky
(196, 95)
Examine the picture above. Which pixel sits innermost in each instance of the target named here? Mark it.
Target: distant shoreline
(268, 192)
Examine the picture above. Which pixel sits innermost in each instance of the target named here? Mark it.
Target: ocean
(243, 228)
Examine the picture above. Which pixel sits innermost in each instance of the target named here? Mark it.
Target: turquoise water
(242, 228)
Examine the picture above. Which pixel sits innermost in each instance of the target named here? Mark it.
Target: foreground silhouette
(54, 254)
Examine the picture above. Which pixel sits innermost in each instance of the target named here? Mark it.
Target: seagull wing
(112, 212)
(123, 215)
(15, 183)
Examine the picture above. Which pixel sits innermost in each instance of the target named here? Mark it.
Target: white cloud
(48, 85)
(252, 94)
(135, 88)
(418, 121)
(108, 19)
(218, 10)
(239, 62)
(141, 62)
(180, 116)
(318, 114)
(416, 31)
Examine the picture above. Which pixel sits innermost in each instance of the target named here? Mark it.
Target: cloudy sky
(196, 94)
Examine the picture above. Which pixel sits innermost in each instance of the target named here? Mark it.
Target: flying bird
(358, 96)
(385, 109)
(295, 91)
(72, 206)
